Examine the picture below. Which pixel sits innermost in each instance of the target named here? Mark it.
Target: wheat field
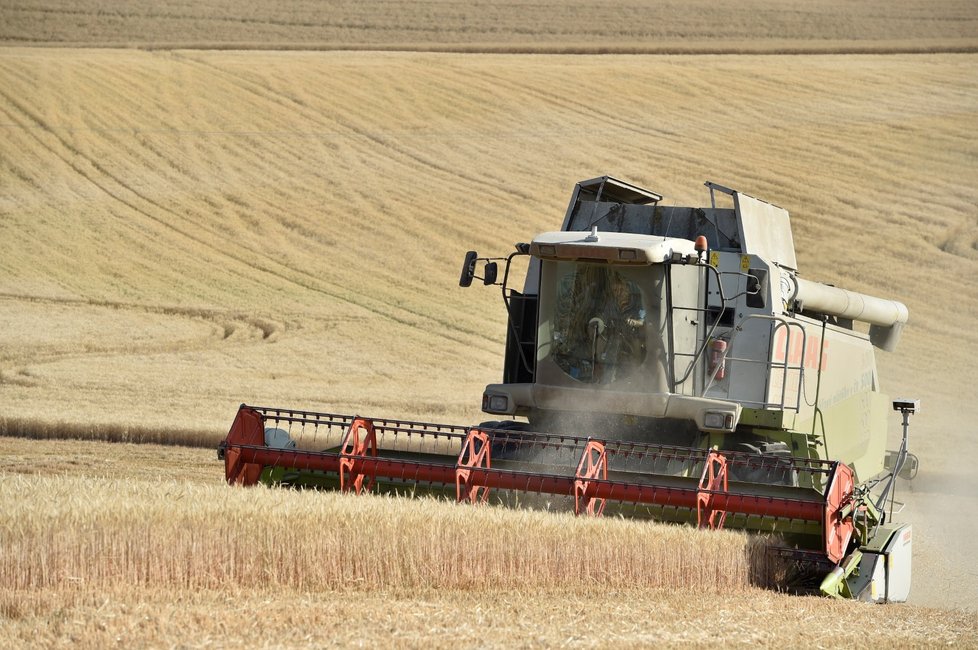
(160, 553)
(183, 230)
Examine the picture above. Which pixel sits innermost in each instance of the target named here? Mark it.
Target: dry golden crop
(168, 533)
(101, 545)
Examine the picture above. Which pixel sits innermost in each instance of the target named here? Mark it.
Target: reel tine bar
(353, 450)
(475, 453)
(593, 465)
(713, 481)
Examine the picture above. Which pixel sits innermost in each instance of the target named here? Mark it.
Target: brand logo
(799, 348)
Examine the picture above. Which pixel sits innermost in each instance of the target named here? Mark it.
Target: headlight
(495, 403)
(714, 420)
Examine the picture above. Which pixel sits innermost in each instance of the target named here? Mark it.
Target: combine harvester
(666, 362)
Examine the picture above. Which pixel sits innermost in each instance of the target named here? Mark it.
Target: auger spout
(886, 317)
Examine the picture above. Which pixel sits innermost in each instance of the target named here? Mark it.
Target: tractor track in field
(775, 27)
(411, 318)
(411, 159)
(226, 327)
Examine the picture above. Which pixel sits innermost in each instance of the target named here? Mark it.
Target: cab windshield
(596, 330)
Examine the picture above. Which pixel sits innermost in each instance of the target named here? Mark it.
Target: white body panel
(898, 565)
(890, 582)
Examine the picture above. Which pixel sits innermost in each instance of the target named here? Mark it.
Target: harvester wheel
(506, 442)
(773, 468)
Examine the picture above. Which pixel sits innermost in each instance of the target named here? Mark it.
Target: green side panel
(854, 431)
(881, 539)
(298, 478)
(304, 478)
(766, 419)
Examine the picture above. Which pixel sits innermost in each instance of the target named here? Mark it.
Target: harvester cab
(663, 362)
(692, 326)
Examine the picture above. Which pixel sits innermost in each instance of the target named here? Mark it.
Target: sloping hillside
(291, 224)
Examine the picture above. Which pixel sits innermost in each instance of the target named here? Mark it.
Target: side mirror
(490, 273)
(757, 288)
(468, 269)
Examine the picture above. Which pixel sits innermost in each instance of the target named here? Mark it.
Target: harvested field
(303, 248)
(183, 230)
(446, 619)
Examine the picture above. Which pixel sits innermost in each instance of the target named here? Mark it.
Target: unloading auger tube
(886, 318)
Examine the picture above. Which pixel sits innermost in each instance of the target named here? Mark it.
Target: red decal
(810, 349)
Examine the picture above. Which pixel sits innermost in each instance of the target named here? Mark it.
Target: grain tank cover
(607, 188)
(751, 227)
(765, 230)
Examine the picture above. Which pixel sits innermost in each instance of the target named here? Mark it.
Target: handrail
(783, 365)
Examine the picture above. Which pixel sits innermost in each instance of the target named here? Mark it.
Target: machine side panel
(685, 310)
(744, 378)
(898, 565)
(852, 412)
(520, 364)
